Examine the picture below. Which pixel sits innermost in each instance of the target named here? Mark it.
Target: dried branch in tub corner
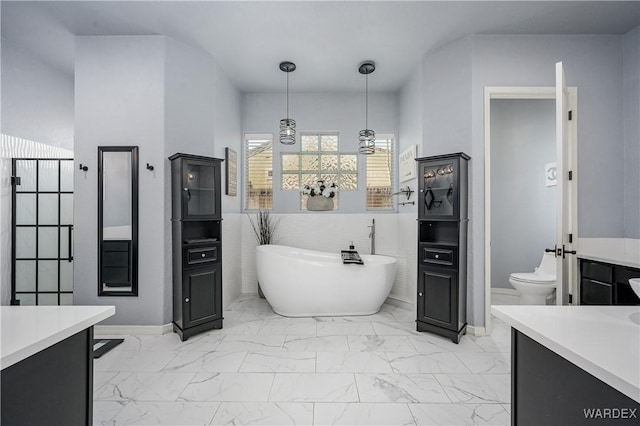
(264, 226)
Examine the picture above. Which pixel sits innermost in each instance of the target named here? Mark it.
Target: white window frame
(266, 137)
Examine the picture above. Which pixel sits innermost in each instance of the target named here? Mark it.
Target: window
(380, 174)
(319, 159)
(258, 171)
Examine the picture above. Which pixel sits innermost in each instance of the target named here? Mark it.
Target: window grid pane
(380, 174)
(259, 172)
(309, 143)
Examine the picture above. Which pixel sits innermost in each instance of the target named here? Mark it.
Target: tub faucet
(372, 235)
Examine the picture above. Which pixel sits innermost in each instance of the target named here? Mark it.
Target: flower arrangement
(320, 189)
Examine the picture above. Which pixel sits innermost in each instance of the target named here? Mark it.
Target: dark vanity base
(51, 387)
(453, 335)
(547, 389)
(186, 333)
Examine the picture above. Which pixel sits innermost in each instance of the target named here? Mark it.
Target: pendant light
(367, 138)
(287, 125)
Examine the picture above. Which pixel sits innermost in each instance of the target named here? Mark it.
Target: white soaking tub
(303, 283)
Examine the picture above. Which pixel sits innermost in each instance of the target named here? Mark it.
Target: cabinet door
(438, 297)
(438, 196)
(202, 295)
(200, 187)
(594, 292)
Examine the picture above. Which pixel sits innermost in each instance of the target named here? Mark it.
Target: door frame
(524, 93)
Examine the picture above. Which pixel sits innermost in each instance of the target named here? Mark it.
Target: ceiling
(327, 40)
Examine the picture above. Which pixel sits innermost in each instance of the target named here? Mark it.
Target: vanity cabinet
(442, 245)
(197, 244)
(606, 284)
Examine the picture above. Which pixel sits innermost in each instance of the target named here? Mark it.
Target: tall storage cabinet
(442, 245)
(197, 243)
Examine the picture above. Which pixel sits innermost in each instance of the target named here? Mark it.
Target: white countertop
(27, 330)
(601, 340)
(617, 251)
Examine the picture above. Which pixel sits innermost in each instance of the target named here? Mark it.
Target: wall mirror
(117, 221)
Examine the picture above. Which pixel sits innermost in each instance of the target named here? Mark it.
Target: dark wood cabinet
(442, 245)
(197, 244)
(606, 284)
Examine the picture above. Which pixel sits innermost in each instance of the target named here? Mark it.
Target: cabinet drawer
(438, 256)
(595, 292)
(597, 271)
(202, 255)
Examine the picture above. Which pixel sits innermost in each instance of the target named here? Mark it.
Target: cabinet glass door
(199, 189)
(439, 182)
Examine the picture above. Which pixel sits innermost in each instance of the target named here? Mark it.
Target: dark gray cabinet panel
(606, 284)
(442, 245)
(197, 244)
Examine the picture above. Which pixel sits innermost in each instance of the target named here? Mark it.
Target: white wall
(37, 100)
(631, 90)
(523, 220)
(165, 97)
(119, 95)
(316, 112)
(465, 67)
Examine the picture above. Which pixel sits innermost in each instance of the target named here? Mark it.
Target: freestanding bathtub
(303, 283)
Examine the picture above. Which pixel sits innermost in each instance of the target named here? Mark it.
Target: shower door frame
(14, 184)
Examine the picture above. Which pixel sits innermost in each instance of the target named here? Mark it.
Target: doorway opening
(521, 211)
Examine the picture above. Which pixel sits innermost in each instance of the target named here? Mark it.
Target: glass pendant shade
(287, 125)
(367, 137)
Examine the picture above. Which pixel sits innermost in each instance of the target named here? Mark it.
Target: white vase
(319, 203)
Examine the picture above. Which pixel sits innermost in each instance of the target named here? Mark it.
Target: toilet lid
(532, 277)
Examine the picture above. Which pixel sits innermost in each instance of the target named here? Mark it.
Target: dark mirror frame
(134, 219)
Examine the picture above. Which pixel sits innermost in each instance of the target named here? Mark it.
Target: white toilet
(535, 287)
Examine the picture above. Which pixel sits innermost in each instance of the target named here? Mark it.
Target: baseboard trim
(477, 331)
(505, 291)
(119, 330)
(399, 303)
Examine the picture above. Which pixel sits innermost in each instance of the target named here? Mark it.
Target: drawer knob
(420, 294)
(437, 256)
(204, 255)
(186, 300)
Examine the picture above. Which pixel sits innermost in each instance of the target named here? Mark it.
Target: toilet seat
(532, 278)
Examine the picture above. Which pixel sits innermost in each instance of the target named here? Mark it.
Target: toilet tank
(548, 265)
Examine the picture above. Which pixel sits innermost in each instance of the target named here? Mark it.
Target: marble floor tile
(494, 343)
(413, 362)
(203, 342)
(345, 327)
(410, 388)
(375, 343)
(264, 413)
(395, 328)
(431, 343)
(507, 407)
(241, 327)
(228, 387)
(476, 388)
(460, 414)
(288, 326)
(141, 361)
(488, 362)
(352, 362)
(131, 342)
(279, 362)
(104, 411)
(315, 343)
(167, 413)
(144, 387)
(310, 387)
(100, 378)
(215, 361)
(362, 414)
(251, 343)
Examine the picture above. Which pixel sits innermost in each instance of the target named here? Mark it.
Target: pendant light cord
(287, 95)
(366, 102)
